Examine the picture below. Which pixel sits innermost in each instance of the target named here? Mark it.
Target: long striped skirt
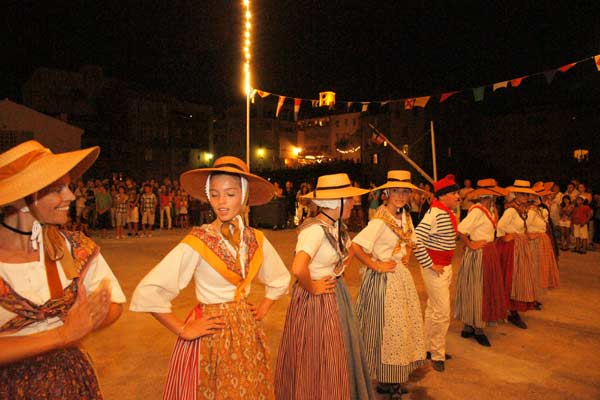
(480, 294)
(519, 272)
(545, 260)
(59, 374)
(321, 354)
(389, 315)
(233, 363)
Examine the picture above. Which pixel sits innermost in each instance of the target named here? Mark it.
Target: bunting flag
(365, 106)
(409, 104)
(445, 96)
(550, 75)
(296, 108)
(597, 61)
(349, 104)
(279, 105)
(262, 94)
(478, 93)
(499, 85)
(383, 103)
(516, 82)
(567, 67)
(315, 103)
(422, 101)
(377, 138)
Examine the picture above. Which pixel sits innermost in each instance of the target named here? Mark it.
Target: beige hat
(521, 186)
(260, 191)
(398, 179)
(486, 187)
(29, 167)
(334, 186)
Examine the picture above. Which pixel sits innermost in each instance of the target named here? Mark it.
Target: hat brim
(47, 170)
(392, 184)
(260, 191)
(515, 189)
(480, 192)
(330, 194)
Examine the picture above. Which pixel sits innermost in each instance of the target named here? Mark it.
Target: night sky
(363, 50)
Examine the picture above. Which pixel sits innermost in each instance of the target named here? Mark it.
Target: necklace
(20, 232)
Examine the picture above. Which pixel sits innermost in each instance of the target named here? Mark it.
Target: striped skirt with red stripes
(519, 272)
(321, 354)
(543, 253)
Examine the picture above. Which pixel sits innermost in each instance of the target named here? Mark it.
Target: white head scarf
(243, 181)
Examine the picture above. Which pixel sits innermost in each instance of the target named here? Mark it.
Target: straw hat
(260, 191)
(486, 187)
(541, 189)
(29, 167)
(334, 186)
(398, 179)
(520, 186)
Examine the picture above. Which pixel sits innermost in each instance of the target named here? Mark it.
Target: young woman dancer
(480, 294)
(221, 352)
(55, 286)
(388, 307)
(321, 353)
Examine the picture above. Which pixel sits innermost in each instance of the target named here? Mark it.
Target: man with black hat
(436, 242)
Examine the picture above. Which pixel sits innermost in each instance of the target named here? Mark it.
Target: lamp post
(247, 81)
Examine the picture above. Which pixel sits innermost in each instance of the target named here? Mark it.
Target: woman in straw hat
(321, 354)
(55, 287)
(388, 307)
(480, 295)
(542, 250)
(221, 350)
(515, 253)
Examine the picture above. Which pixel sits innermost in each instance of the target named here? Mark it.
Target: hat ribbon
(330, 188)
(20, 163)
(229, 165)
(399, 180)
(522, 186)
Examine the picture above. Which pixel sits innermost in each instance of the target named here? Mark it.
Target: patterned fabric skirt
(480, 292)
(391, 322)
(321, 354)
(519, 272)
(59, 374)
(545, 260)
(233, 363)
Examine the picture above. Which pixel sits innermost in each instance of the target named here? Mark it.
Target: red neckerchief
(486, 212)
(438, 204)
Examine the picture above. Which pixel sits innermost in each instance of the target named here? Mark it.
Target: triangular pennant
(500, 85)
(567, 67)
(377, 138)
(365, 106)
(516, 82)
(550, 75)
(422, 101)
(445, 96)
(478, 93)
(296, 108)
(314, 103)
(262, 93)
(349, 104)
(409, 104)
(597, 61)
(383, 103)
(279, 105)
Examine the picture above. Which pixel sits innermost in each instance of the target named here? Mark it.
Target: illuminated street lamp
(296, 151)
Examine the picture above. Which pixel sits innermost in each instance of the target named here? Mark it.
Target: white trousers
(437, 312)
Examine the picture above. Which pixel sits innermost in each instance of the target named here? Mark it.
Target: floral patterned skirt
(234, 362)
(59, 374)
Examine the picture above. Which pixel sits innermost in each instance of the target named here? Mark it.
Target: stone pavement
(556, 358)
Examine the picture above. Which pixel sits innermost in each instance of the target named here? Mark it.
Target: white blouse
(29, 280)
(164, 282)
(323, 256)
(378, 240)
(477, 226)
(510, 222)
(537, 220)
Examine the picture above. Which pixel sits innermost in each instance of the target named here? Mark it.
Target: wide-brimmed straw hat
(520, 186)
(336, 186)
(486, 187)
(260, 191)
(30, 167)
(398, 179)
(541, 189)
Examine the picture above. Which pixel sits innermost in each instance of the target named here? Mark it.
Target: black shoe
(537, 305)
(467, 334)
(390, 388)
(482, 340)
(438, 365)
(448, 356)
(517, 321)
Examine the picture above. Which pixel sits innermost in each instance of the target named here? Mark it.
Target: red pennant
(516, 82)
(445, 96)
(409, 104)
(567, 67)
(597, 60)
(279, 105)
(377, 138)
(262, 94)
(296, 108)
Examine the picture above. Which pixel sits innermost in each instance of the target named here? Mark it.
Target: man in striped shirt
(436, 241)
